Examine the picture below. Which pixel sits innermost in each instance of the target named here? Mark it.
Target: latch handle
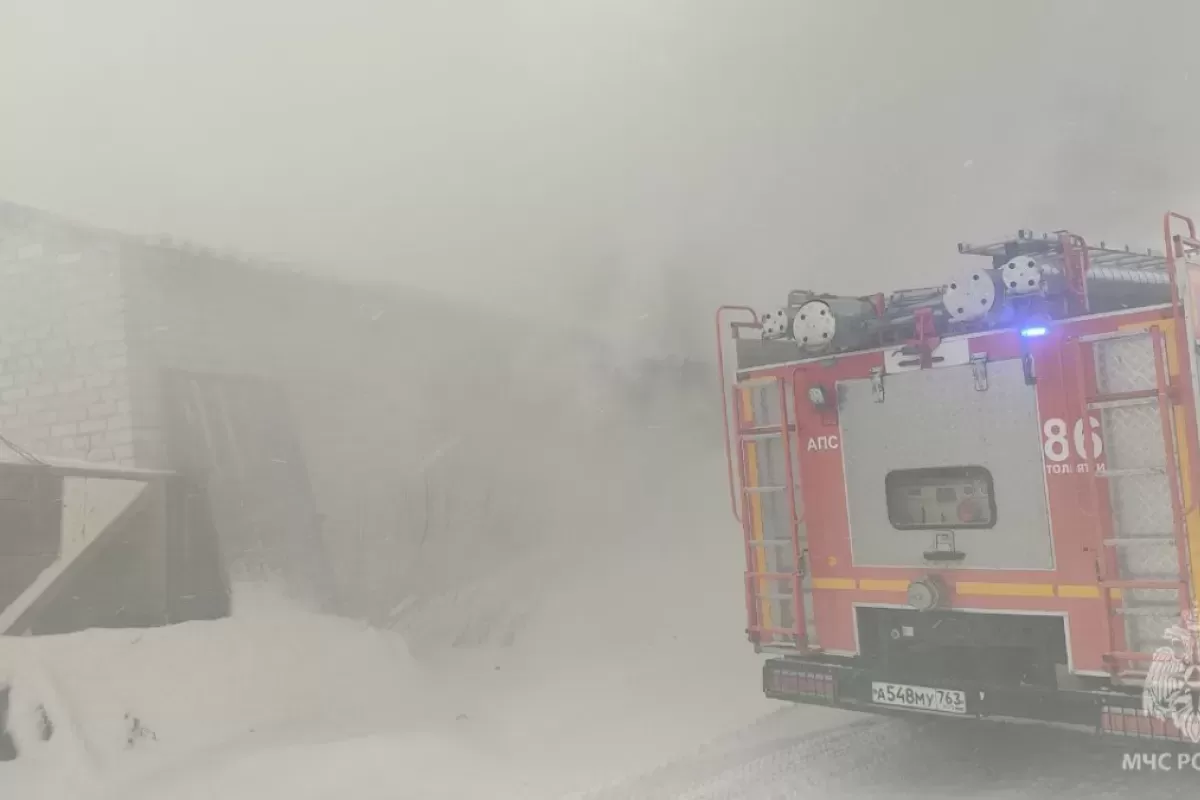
(979, 371)
(877, 384)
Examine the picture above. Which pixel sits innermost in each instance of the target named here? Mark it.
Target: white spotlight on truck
(1022, 275)
(776, 324)
(970, 295)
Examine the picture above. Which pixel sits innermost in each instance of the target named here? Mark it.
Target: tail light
(785, 680)
(1138, 724)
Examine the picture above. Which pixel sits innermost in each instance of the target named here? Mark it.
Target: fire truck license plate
(948, 701)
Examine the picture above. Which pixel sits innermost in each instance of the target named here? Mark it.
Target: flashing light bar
(1030, 333)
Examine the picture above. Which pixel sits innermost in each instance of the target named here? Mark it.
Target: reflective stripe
(979, 589)
(1005, 589)
(874, 585)
(834, 583)
(1079, 591)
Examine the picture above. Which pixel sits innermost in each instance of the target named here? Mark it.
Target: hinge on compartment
(877, 384)
(979, 371)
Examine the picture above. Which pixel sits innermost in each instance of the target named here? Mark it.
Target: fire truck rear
(979, 499)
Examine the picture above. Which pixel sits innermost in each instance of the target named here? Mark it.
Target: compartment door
(944, 474)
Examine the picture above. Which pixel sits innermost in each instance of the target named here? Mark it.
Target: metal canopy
(83, 469)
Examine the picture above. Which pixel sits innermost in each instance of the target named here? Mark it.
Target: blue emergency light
(1030, 333)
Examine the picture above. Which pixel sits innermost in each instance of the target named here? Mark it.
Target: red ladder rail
(785, 431)
(735, 326)
(1108, 575)
(1176, 249)
(1101, 517)
(1076, 265)
(755, 578)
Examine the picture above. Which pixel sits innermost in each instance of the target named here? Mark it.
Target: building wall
(407, 409)
(434, 437)
(64, 376)
(458, 460)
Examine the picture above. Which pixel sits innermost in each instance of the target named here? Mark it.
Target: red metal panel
(823, 488)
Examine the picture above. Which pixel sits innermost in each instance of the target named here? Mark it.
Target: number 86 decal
(1056, 446)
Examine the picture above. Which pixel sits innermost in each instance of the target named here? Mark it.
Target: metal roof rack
(1048, 243)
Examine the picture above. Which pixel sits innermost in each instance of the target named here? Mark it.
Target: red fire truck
(979, 499)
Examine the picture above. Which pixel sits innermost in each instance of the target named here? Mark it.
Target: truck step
(752, 434)
(1128, 655)
(1124, 333)
(1132, 472)
(1149, 610)
(1147, 583)
(1123, 399)
(1134, 541)
(756, 383)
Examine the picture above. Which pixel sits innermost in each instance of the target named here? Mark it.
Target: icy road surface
(881, 758)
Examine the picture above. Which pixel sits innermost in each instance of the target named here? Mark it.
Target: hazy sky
(503, 147)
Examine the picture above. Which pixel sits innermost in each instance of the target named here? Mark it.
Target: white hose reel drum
(814, 326)
(776, 324)
(1022, 275)
(832, 323)
(970, 296)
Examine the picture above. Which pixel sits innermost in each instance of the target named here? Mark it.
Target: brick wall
(64, 376)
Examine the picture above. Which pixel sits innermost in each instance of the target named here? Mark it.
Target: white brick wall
(64, 385)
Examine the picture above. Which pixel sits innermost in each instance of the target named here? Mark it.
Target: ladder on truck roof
(1142, 501)
(762, 494)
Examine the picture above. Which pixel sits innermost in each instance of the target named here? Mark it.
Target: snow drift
(272, 702)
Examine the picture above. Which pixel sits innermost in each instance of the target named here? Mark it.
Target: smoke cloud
(615, 164)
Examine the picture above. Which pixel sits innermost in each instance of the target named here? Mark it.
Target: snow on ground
(271, 703)
(281, 703)
(638, 659)
(630, 653)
